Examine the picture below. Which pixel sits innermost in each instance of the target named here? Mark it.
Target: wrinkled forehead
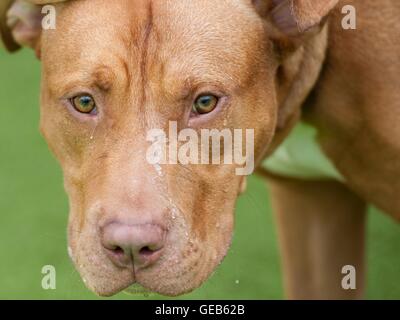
(216, 31)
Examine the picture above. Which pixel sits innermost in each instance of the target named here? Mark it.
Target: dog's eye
(84, 103)
(205, 104)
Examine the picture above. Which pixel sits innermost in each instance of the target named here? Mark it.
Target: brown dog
(114, 70)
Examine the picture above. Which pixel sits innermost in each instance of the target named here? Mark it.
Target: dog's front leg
(321, 229)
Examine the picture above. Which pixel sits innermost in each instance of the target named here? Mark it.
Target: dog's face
(113, 71)
(145, 63)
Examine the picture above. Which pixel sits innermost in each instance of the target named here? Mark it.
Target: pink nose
(133, 245)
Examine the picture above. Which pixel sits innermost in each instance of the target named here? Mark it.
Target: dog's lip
(131, 287)
(113, 292)
(137, 288)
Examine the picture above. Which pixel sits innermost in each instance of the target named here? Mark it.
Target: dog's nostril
(146, 251)
(118, 250)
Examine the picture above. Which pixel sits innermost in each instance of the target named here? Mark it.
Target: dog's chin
(170, 278)
(183, 267)
(145, 287)
(151, 283)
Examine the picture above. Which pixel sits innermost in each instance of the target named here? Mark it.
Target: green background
(34, 209)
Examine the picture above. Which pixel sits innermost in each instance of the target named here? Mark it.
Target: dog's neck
(300, 71)
(304, 67)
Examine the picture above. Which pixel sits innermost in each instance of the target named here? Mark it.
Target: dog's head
(113, 71)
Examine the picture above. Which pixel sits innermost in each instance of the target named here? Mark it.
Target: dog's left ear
(295, 28)
(295, 17)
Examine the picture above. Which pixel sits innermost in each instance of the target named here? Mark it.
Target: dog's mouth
(158, 247)
(182, 268)
(138, 290)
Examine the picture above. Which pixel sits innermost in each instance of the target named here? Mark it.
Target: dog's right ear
(20, 24)
(5, 32)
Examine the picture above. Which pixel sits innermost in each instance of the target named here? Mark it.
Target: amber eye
(84, 103)
(205, 104)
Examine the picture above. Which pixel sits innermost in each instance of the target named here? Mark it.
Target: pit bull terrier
(112, 70)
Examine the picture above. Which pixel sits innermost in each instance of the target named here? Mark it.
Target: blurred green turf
(33, 217)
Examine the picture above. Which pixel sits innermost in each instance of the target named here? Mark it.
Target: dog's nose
(133, 245)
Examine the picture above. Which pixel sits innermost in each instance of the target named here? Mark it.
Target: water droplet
(158, 169)
(173, 213)
(237, 281)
